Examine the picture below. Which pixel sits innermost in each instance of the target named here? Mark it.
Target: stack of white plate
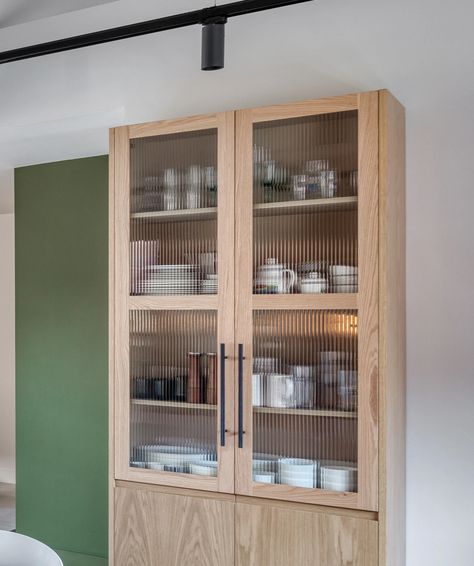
(338, 477)
(171, 280)
(298, 472)
(343, 278)
(204, 468)
(209, 285)
(172, 458)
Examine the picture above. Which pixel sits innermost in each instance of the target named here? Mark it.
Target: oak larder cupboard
(257, 337)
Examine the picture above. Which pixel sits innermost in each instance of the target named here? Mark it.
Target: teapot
(273, 278)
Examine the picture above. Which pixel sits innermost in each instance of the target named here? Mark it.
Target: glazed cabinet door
(306, 302)
(174, 290)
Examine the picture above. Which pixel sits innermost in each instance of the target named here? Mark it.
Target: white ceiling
(61, 106)
(13, 12)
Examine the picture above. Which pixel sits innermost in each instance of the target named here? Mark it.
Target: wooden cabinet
(165, 529)
(277, 536)
(257, 329)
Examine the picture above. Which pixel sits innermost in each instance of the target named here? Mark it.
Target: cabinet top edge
(325, 105)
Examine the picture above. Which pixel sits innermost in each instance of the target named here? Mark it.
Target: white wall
(440, 341)
(7, 349)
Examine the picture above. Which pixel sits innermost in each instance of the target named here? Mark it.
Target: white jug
(273, 277)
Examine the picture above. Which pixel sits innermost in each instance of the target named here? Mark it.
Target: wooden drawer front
(158, 529)
(272, 536)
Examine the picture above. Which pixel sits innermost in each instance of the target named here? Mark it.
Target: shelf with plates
(181, 215)
(174, 404)
(305, 412)
(305, 206)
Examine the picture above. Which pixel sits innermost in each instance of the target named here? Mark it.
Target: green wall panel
(61, 353)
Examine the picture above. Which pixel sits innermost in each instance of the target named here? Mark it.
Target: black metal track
(230, 10)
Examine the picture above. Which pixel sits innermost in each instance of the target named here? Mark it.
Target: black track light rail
(186, 19)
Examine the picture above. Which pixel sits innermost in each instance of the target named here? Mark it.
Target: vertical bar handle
(241, 396)
(223, 429)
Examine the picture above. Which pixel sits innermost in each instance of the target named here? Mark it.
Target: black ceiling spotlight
(212, 19)
(213, 44)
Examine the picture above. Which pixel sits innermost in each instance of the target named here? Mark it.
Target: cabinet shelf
(184, 215)
(305, 412)
(174, 404)
(317, 301)
(304, 206)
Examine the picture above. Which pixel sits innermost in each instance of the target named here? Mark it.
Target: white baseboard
(7, 475)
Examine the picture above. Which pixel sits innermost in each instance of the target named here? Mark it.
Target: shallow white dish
(155, 466)
(264, 477)
(343, 270)
(204, 468)
(344, 279)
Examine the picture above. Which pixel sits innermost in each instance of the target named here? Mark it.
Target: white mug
(280, 390)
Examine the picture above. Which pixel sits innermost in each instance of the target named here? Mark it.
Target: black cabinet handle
(223, 429)
(241, 396)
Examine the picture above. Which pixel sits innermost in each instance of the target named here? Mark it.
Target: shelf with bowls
(180, 215)
(305, 206)
(305, 412)
(174, 404)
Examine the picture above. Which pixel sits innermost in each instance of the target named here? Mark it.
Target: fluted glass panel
(304, 396)
(173, 201)
(173, 387)
(305, 205)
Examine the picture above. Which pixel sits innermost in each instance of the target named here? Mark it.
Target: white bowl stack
(298, 472)
(338, 477)
(264, 477)
(204, 468)
(343, 278)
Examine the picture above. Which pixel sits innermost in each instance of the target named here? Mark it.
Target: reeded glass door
(174, 228)
(305, 275)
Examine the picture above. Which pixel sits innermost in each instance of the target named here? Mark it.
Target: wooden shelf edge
(173, 404)
(306, 412)
(176, 215)
(323, 301)
(173, 302)
(310, 205)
